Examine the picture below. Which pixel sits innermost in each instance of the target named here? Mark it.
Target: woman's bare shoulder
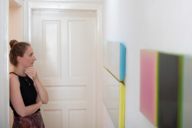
(12, 76)
(13, 79)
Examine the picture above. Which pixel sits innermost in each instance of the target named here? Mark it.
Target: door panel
(79, 48)
(64, 44)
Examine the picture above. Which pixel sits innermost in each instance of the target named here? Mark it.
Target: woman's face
(28, 58)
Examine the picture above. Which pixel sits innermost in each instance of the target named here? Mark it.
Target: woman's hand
(42, 93)
(31, 72)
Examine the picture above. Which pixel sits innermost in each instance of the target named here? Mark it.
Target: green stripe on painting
(180, 92)
(157, 89)
(186, 93)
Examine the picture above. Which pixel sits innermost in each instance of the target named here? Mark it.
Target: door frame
(4, 64)
(29, 6)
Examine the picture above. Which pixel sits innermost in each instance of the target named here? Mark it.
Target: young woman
(26, 91)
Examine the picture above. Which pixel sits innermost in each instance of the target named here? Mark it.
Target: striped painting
(166, 85)
(115, 59)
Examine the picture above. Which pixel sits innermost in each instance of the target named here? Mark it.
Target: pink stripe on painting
(148, 65)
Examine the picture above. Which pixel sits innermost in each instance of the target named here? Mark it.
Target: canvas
(166, 84)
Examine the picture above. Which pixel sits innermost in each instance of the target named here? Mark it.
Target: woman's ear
(19, 59)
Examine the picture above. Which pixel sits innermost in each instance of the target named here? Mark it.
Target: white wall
(163, 25)
(16, 22)
(68, 1)
(4, 84)
(15, 32)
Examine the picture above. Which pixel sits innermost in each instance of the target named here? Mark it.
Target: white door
(64, 44)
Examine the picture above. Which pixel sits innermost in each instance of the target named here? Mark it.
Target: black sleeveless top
(28, 91)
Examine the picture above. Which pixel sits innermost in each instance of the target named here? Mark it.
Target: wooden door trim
(4, 64)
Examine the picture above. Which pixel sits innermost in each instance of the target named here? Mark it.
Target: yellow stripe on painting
(122, 106)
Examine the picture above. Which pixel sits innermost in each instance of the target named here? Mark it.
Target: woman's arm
(42, 93)
(17, 101)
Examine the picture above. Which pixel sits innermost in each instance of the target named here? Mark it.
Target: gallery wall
(16, 22)
(164, 26)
